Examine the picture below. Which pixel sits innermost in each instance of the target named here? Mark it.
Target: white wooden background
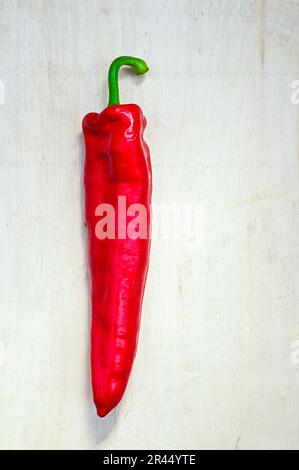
(215, 365)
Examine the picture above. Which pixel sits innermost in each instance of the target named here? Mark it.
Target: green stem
(139, 67)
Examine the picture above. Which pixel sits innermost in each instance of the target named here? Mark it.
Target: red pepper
(117, 165)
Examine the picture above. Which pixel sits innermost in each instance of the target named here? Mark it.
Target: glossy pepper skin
(117, 164)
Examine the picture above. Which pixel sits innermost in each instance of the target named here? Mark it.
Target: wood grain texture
(214, 368)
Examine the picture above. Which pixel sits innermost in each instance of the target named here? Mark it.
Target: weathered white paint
(214, 366)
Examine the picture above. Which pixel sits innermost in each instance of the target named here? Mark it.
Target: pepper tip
(104, 410)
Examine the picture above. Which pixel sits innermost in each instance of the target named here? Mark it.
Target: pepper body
(117, 165)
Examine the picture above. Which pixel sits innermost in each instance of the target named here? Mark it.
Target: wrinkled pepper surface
(117, 175)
